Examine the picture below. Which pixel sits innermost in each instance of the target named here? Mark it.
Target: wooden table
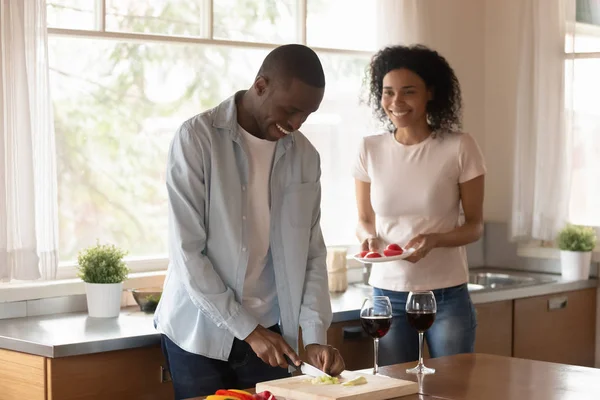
(489, 377)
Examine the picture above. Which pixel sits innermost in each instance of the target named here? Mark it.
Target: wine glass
(420, 312)
(376, 320)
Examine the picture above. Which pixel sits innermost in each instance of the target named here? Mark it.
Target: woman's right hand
(371, 244)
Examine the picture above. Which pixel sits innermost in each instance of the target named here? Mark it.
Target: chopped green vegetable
(325, 380)
(359, 380)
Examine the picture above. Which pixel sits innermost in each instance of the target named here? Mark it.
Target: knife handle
(290, 363)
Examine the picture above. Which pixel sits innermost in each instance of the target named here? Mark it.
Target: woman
(410, 185)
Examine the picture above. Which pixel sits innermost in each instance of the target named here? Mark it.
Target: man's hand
(270, 347)
(328, 359)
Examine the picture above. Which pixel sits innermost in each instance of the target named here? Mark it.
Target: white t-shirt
(260, 292)
(414, 190)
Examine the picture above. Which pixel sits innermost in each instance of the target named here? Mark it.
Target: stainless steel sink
(474, 287)
(492, 280)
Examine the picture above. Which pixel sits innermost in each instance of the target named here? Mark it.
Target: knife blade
(311, 370)
(306, 368)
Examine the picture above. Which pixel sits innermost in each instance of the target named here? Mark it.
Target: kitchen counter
(346, 306)
(72, 334)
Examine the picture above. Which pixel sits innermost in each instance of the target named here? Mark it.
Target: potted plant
(576, 243)
(103, 270)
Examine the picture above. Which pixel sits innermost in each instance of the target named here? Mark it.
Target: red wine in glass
(420, 314)
(376, 326)
(421, 321)
(376, 319)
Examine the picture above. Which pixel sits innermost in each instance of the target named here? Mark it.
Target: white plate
(383, 258)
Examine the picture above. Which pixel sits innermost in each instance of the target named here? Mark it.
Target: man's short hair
(293, 61)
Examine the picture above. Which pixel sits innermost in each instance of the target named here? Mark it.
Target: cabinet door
(494, 328)
(354, 345)
(123, 374)
(22, 376)
(558, 328)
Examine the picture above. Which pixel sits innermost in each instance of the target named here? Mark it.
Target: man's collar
(226, 118)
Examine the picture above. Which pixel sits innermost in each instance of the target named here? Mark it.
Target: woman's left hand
(422, 244)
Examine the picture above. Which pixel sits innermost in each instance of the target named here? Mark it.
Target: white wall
(501, 62)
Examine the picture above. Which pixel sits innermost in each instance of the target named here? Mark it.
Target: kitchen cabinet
(22, 376)
(494, 328)
(124, 374)
(557, 328)
(355, 346)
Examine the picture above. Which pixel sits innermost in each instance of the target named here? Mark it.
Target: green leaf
(577, 238)
(102, 263)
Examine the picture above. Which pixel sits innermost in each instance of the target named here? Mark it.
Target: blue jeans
(194, 375)
(453, 331)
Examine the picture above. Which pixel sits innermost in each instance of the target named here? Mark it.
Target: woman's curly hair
(444, 110)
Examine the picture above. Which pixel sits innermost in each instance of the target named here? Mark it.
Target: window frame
(67, 270)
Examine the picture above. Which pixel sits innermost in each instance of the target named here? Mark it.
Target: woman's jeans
(452, 332)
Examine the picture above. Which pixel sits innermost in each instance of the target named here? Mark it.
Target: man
(247, 257)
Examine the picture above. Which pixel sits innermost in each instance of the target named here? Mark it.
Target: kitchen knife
(306, 368)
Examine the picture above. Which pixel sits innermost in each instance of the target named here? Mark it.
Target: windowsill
(68, 287)
(537, 251)
(146, 273)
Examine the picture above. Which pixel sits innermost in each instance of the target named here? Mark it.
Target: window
(125, 74)
(583, 99)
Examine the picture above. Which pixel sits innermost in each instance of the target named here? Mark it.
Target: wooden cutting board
(377, 388)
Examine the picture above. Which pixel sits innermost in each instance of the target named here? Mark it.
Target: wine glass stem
(420, 349)
(375, 355)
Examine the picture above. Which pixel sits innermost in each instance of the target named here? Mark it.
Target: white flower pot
(104, 299)
(575, 264)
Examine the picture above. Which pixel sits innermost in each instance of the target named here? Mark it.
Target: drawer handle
(353, 332)
(165, 376)
(558, 303)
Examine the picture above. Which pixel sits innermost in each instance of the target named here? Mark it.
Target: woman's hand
(372, 244)
(422, 244)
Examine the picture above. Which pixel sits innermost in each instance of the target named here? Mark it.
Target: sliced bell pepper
(248, 395)
(234, 393)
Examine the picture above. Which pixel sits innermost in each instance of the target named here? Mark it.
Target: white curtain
(401, 22)
(28, 197)
(543, 145)
(434, 23)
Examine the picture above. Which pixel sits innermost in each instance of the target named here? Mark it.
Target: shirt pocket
(298, 203)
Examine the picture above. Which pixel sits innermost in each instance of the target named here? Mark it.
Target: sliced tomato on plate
(392, 253)
(395, 247)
